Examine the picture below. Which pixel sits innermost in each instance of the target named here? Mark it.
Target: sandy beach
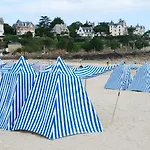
(129, 129)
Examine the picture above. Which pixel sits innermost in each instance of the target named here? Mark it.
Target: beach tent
(141, 80)
(119, 79)
(49, 67)
(89, 71)
(58, 105)
(3, 70)
(15, 86)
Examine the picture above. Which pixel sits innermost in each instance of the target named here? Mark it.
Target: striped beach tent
(141, 80)
(58, 106)
(119, 79)
(14, 90)
(49, 67)
(89, 71)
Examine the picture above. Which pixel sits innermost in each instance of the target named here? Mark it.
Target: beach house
(85, 31)
(119, 28)
(60, 29)
(24, 27)
(139, 30)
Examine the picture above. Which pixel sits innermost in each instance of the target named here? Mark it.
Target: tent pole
(85, 84)
(115, 106)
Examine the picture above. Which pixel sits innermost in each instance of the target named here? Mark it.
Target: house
(119, 28)
(139, 30)
(24, 27)
(1, 28)
(85, 31)
(60, 29)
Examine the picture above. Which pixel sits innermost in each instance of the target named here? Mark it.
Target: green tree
(73, 27)
(8, 29)
(114, 44)
(43, 28)
(62, 42)
(131, 30)
(56, 20)
(97, 44)
(86, 46)
(48, 43)
(102, 27)
(70, 45)
(146, 35)
(28, 35)
(11, 38)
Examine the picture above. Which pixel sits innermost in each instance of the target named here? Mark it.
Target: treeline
(45, 40)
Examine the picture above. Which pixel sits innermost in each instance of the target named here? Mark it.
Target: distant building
(24, 27)
(1, 28)
(90, 23)
(119, 28)
(60, 29)
(139, 30)
(85, 32)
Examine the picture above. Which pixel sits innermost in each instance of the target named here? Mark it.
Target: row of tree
(45, 39)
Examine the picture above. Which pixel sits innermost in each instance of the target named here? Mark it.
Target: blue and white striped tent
(58, 106)
(141, 80)
(14, 90)
(89, 71)
(4, 69)
(119, 79)
(49, 67)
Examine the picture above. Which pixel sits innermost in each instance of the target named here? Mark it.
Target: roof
(121, 22)
(58, 28)
(20, 23)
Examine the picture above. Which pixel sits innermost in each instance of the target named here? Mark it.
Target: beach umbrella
(88, 71)
(120, 78)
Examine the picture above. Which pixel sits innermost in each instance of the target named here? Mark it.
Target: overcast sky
(133, 11)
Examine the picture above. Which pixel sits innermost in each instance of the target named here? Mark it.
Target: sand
(130, 129)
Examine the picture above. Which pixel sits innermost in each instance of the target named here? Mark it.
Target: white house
(1, 27)
(139, 30)
(85, 32)
(60, 29)
(24, 27)
(119, 28)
